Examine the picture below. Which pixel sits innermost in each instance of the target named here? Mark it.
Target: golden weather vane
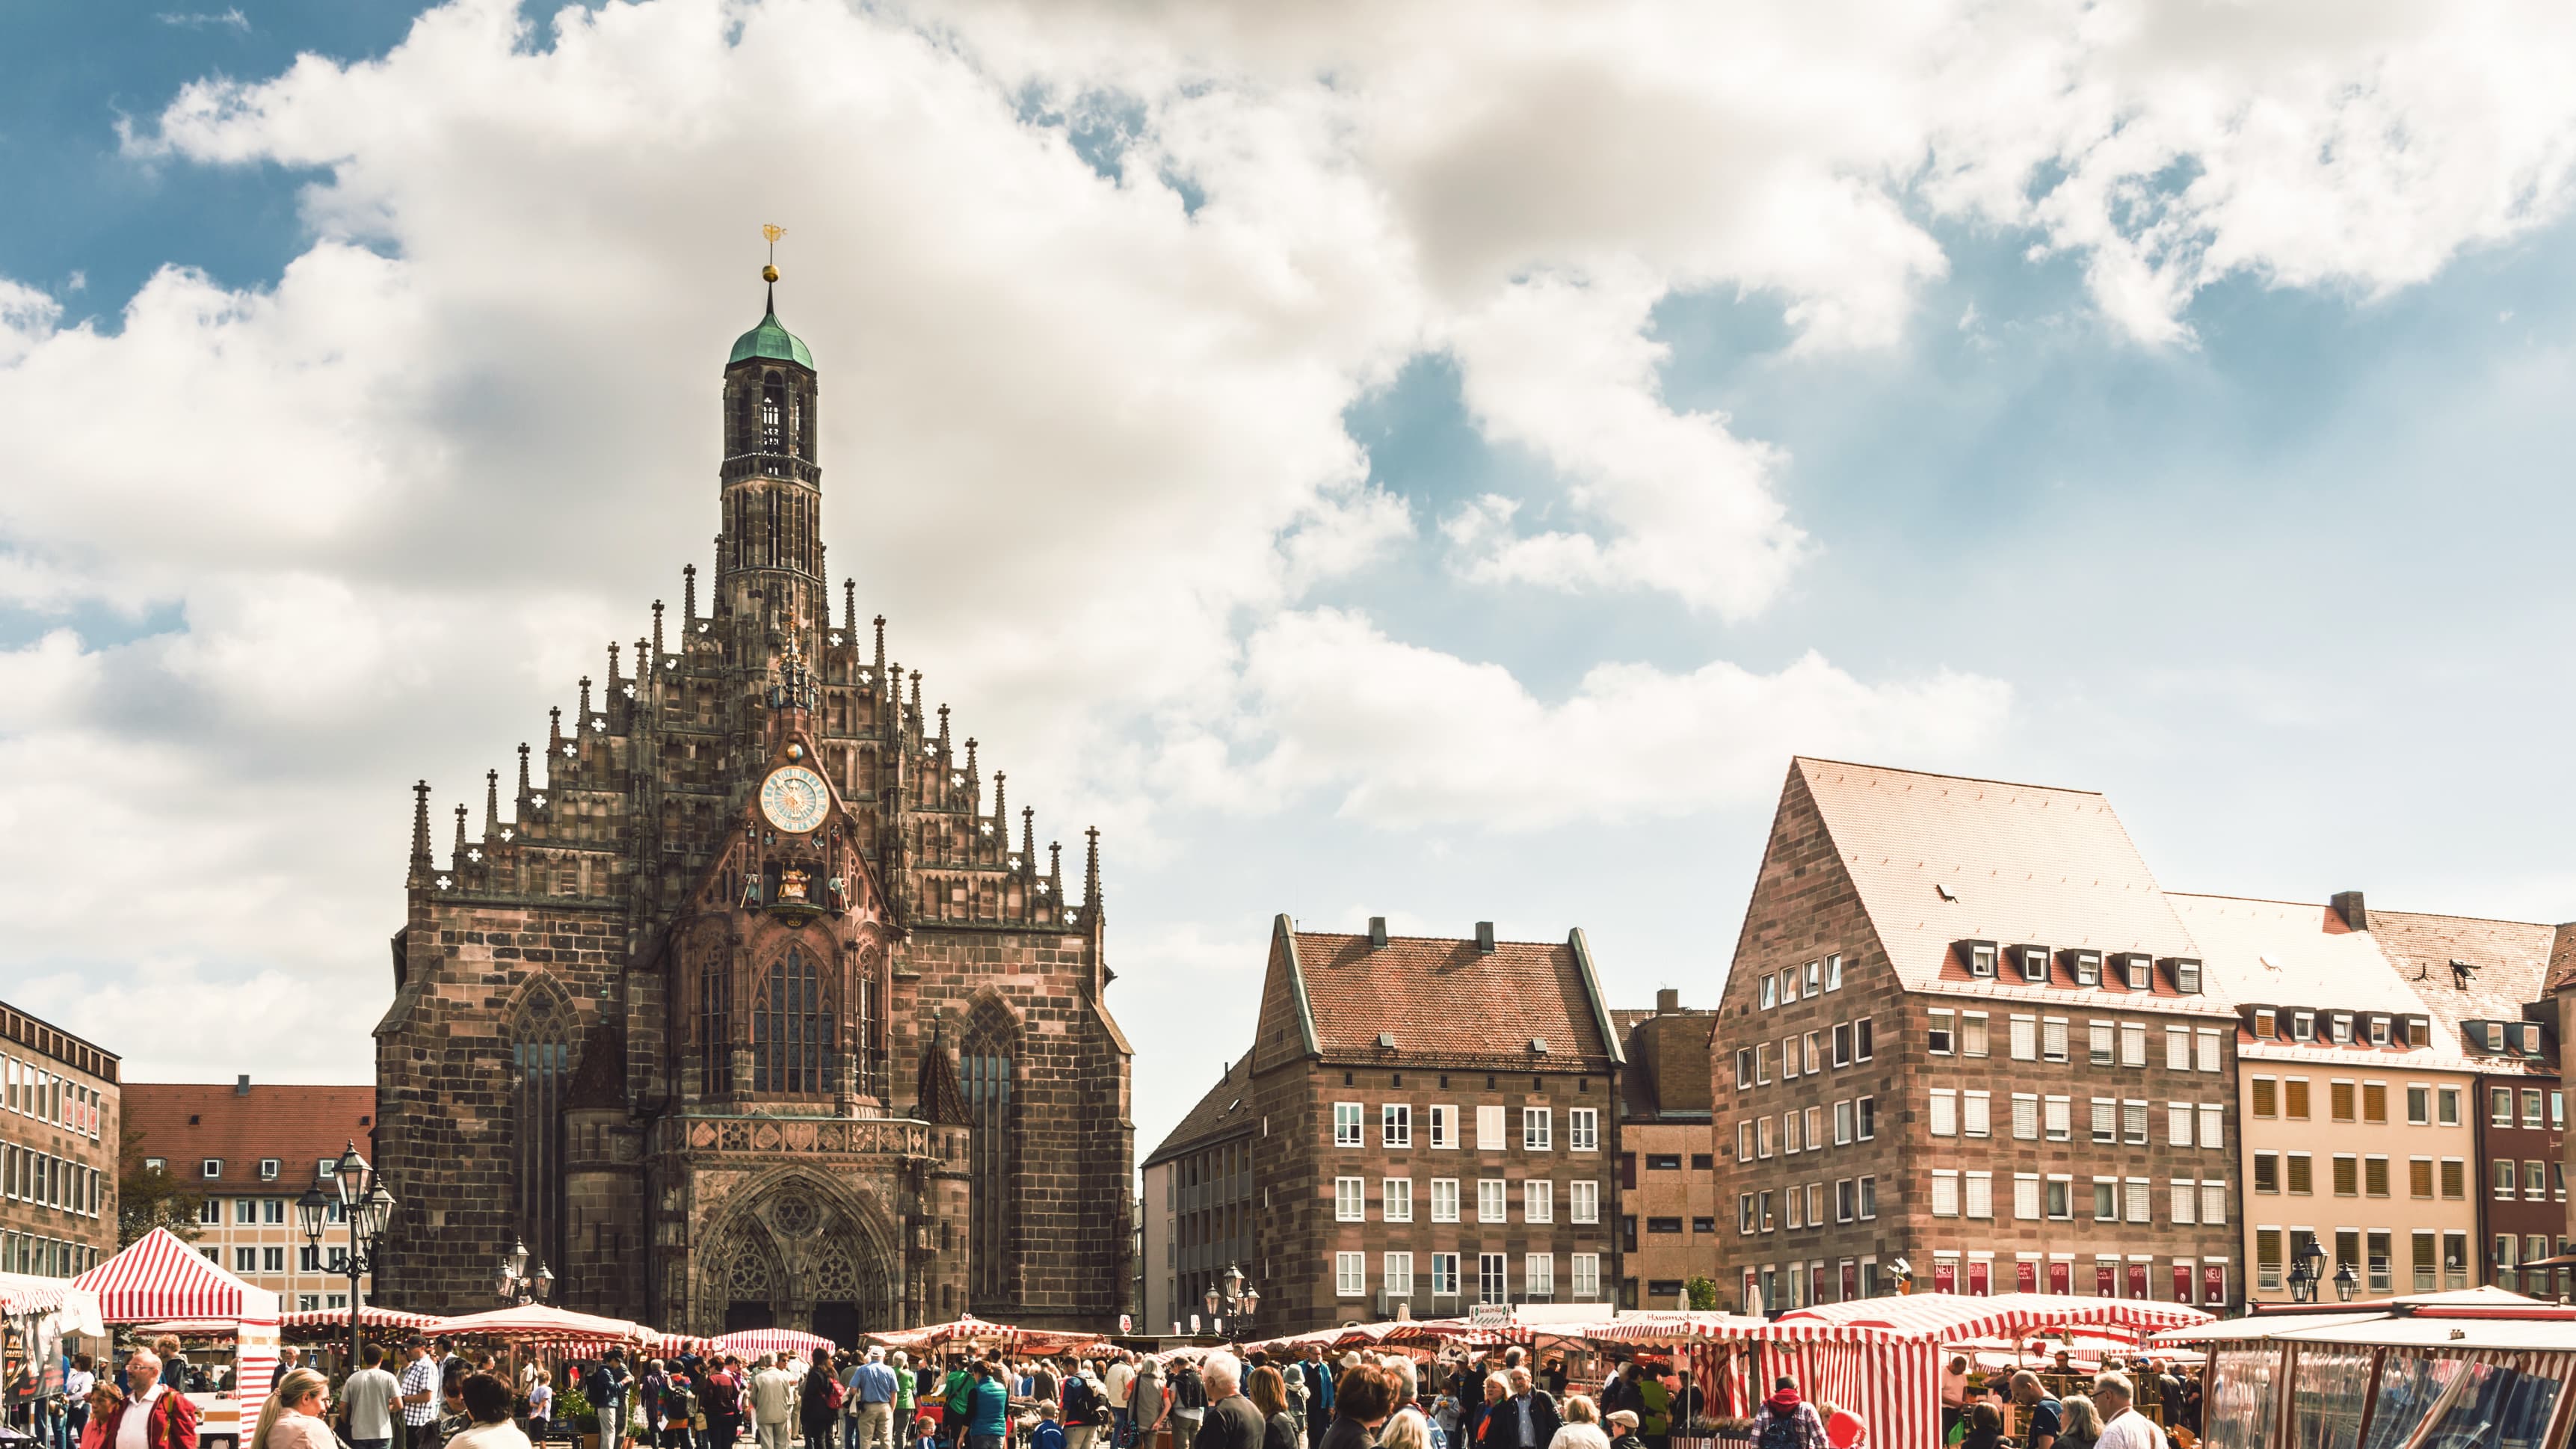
(772, 231)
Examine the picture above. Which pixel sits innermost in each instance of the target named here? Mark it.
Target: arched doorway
(797, 1255)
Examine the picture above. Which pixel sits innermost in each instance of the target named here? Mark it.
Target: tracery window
(791, 1035)
(541, 1062)
(773, 417)
(715, 1023)
(984, 1074)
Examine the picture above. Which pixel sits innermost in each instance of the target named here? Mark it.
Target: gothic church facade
(753, 1006)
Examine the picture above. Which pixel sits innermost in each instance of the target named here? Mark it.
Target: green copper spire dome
(771, 341)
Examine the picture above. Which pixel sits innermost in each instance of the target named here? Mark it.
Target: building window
(2052, 1039)
(1489, 1129)
(1945, 1112)
(2137, 1195)
(1537, 1129)
(2061, 1198)
(2025, 1038)
(1444, 1199)
(1538, 1275)
(2447, 1099)
(1395, 1125)
(272, 1260)
(1538, 1201)
(1587, 1277)
(211, 1168)
(2267, 1173)
(2026, 1195)
(2186, 1198)
(1350, 1275)
(1395, 1199)
(1743, 1068)
(1399, 1275)
(268, 1169)
(2347, 1175)
(1444, 1275)
(2213, 1202)
(1862, 1044)
(1842, 1043)
(1744, 1213)
(2213, 1124)
(246, 1210)
(1868, 1118)
(1346, 1123)
(2025, 1116)
(2133, 1123)
(2099, 1037)
(2177, 1048)
(2210, 1050)
(2506, 1175)
(1350, 1200)
(1843, 1123)
(245, 1260)
(1942, 1037)
(1583, 1201)
(1980, 1196)
(1491, 1202)
(2133, 1043)
(2299, 1172)
(1770, 992)
(1945, 1193)
(791, 1041)
(1976, 1114)
(1868, 1198)
(1583, 1129)
(1491, 1286)
(1972, 1034)
(1444, 1128)
(2178, 1119)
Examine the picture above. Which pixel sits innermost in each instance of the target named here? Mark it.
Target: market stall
(541, 1325)
(36, 1315)
(972, 1333)
(332, 1324)
(160, 1279)
(2479, 1367)
(761, 1342)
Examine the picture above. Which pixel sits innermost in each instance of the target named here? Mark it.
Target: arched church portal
(794, 1256)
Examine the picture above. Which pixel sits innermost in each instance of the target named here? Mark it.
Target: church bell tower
(769, 558)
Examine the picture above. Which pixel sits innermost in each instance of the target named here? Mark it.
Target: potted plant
(573, 1411)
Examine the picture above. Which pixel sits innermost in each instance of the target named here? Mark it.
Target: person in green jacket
(902, 1397)
(959, 1392)
(1655, 1402)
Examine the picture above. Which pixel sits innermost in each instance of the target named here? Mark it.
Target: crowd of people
(433, 1397)
(2063, 1409)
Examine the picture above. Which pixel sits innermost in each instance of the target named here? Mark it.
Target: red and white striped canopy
(968, 1331)
(1951, 1318)
(161, 1277)
(369, 1316)
(540, 1323)
(751, 1341)
(26, 1295)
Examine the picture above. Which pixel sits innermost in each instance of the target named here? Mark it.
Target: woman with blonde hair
(1405, 1431)
(292, 1418)
(1581, 1428)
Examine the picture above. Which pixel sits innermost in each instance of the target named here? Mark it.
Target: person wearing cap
(1786, 1410)
(1623, 1430)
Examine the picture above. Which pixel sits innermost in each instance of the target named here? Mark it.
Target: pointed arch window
(791, 1049)
(715, 1024)
(984, 1076)
(773, 418)
(541, 1067)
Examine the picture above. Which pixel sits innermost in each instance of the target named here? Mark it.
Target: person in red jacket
(154, 1415)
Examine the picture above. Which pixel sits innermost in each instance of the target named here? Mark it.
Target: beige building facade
(2358, 1126)
(1668, 1208)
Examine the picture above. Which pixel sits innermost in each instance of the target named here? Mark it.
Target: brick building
(251, 1151)
(1668, 1206)
(2357, 1106)
(60, 1124)
(1961, 1026)
(1434, 1124)
(748, 1004)
(1199, 1201)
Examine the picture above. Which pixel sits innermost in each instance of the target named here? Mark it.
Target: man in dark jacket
(1319, 1394)
(1529, 1417)
(1232, 1422)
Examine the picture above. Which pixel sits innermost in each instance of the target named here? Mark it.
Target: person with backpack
(1787, 1421)
(958, 1393)
(1076, 1405)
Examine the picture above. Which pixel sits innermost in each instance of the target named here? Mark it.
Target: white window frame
(1583, 1129)
(1349, 1124)
(1493, 1200)
(1942, 1118)
(1585, 1277)
(1583, 1200)
(1395, 1199)
(1538, 1275)
(1444, 1203)
(1396, 1270)
(1489, 1128)
(1538, 1129)
(1350, 1199)
(1395, 1124)
(1444, 1127)
(1538, 1200)
(1350, 1275)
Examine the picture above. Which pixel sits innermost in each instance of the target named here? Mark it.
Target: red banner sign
(2026, 1276)
(2106, 1280)
(1945, 1276)
(2061, 1278)
(2138, 1280)
(1981, 1275)
(2213, 1284)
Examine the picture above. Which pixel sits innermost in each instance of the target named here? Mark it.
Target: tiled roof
(1443, 997)
(1226, 1108)
(2027, 865)
(188, 1122)
(2510, 961)
(2289, 953)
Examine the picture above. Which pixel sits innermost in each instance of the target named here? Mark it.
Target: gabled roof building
(1968, 1044)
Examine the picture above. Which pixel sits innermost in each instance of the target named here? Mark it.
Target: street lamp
(515, 1285)
(368, 1208)
(2346, 1281)
(1234, 1298)
(2304, 1272)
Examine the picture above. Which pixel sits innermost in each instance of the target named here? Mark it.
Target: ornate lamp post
(515, 1285)
(2305, 1276)
(2345, 1281)
(367, 1206)
(1236, 1300)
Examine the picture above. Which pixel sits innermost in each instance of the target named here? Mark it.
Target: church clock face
(794, 799)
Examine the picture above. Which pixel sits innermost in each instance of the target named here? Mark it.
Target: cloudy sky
(1435, 460)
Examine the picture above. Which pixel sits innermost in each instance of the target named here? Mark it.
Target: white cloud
(1563, 367)
(1083, 433)
(1410, 736)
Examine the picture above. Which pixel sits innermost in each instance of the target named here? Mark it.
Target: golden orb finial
(773, 232)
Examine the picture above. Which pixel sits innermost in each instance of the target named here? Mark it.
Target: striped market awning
(753, 1341)
(160, 1277)
(370, 1316)
(1952, 1318)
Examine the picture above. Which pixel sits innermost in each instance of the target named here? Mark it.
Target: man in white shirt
(370, 1397)
(773, 1404)
(1120, 1378)
(2123, 1427)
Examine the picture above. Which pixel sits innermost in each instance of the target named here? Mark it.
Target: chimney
(1484, 938)
(1668, 998)
(2347, 904)
(1377, 931)
(241, 1085)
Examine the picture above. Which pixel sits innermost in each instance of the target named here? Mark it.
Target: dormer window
(268, 1169)
(2034, 963)
(2379, 1031)
(2303, 1026)
(2136, 969)
(2266, 1025)
(1980, 956)
(2088, 967)
(2186, 975)
(2477, 1034)
(2340, 1026)
(2527, 1038)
